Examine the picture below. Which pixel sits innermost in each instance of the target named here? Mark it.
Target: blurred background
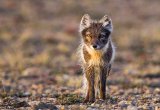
(39, 38)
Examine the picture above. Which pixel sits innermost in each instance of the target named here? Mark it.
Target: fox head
(96, 34)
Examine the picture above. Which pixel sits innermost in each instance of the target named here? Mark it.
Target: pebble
(45, 106)
(27, 94)
(131, 107)
(123, 104)
(92, 108)
(134, 102)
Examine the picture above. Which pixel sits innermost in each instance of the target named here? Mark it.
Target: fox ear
(107, 23)
(85, 22)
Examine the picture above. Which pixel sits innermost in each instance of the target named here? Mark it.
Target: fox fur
(96, 52)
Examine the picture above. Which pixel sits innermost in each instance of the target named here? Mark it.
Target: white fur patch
(80, 55)
(96, 56)
(108, 25)
(85, 22)
(105, 47)
(105, 23)
(85, 85)
(113, 52)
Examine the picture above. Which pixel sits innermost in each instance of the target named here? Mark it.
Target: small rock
(33, 103)
(93, 104)
(21, 104)
(97, 105)
(47, 91)
(21, 94)
(1, 101)
(123, 104)
(157, 90)
(156, 100)
(134, 102)
(75, 107)
(92, 108)
(55, 95)
(83, 107)
(43, 106)
(99, 101)
(27, 94)
(44, 95)
(131, 107)
(150, 108)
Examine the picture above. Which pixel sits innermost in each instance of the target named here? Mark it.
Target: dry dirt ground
(38, 63)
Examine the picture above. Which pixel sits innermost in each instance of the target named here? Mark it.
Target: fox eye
(88, 34)
(102, 36)
(88, 37)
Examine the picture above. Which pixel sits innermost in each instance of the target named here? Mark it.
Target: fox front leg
(103, 77)
(89, 73)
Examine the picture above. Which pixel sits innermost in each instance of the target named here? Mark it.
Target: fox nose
(94, 46)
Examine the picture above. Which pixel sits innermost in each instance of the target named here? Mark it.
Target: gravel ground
(38, 63)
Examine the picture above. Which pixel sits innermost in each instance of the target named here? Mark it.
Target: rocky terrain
(38, 62)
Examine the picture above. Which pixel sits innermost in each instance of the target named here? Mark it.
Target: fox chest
(93, 57)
